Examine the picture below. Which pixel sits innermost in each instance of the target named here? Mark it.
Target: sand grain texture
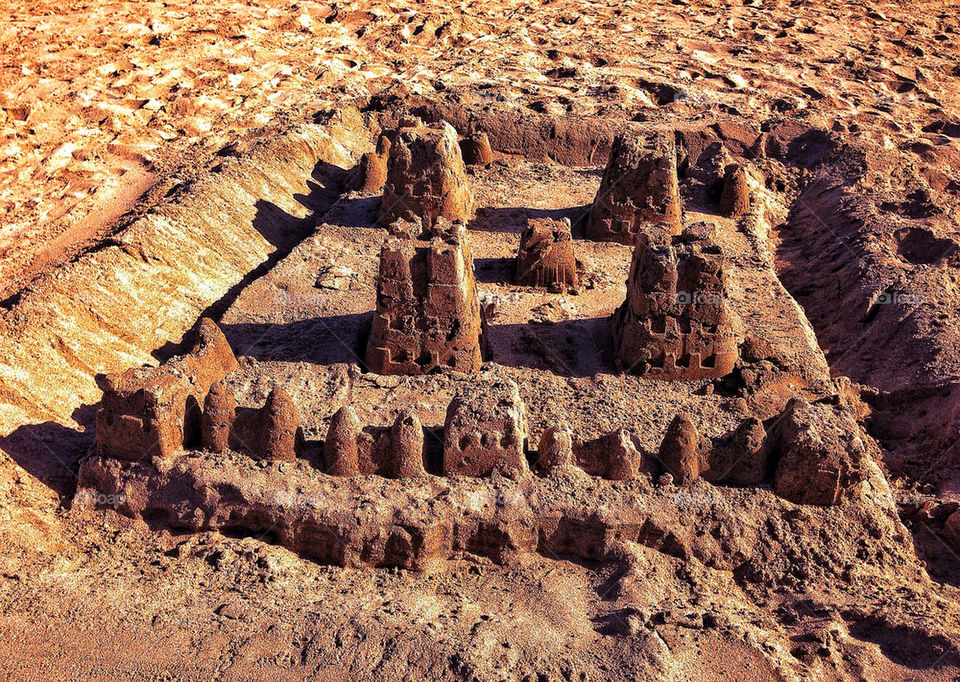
(165, 161)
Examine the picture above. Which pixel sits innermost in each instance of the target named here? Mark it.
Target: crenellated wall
(813, 453)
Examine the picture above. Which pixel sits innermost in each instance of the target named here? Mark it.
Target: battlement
(485, 432)
(155, 411)
(813, 455)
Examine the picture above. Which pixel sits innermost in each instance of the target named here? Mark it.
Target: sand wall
(113, 305)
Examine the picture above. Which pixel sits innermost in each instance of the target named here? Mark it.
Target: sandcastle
(674, 323)
(639, 187)
(151, 414)
(813, 455)
(735, 198)
(155, 411)
(628, 520)
(425, 176)
(476, 149)
(486, 430)
(546, 256)
(428, 313)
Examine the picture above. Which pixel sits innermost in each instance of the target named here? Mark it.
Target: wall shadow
(283, 231)
(906, 645)
(356, 212)
(570, 348)
(320, 341)
(514, 219)
(51, 452)
(495, 270)
(940, 561)
(615, 623)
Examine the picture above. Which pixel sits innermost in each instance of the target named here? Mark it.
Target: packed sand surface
(480, 341)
